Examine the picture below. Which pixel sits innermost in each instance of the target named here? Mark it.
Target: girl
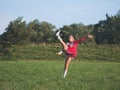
(70, 49)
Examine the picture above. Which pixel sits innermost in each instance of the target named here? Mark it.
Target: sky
(57, 12)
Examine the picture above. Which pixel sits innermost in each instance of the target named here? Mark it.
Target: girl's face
(71, 38)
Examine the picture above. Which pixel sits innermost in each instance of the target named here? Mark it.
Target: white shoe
(65, 73)
(59, 53)
(58, 33)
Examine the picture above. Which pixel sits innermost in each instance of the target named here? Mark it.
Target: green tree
(34, 27)
(16, 32)
(46, 30)
(41, 31)
(108, 31)
(77, 30)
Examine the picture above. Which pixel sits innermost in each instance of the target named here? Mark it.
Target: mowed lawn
(48, 75)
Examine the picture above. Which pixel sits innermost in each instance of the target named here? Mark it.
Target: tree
(33, 28)
(46, 30)
(108, 31)
(41, 31)
(77, 30)
(16, 32)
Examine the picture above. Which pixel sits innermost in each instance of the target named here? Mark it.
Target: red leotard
(72, 47)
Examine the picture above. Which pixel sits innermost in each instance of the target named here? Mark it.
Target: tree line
(19, 32)
(108, 31)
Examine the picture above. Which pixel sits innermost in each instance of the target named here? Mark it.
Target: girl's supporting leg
(67, 62)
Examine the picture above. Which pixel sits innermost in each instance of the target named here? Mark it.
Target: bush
(48, 52)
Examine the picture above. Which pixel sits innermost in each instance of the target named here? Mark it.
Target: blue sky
(57, 12)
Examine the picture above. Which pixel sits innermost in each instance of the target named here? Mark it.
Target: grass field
(48, 75)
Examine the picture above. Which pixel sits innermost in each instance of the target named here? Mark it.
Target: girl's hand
(90, 36)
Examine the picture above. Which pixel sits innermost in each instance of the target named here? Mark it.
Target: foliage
(41, 32)
(77, 30)
(108, 31)
(48, 52)
(18, 32)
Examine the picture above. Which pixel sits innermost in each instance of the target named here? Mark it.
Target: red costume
(72, 47)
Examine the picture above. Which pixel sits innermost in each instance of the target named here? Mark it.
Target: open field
(48, 75)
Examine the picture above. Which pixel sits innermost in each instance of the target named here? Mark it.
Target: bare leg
(65, 47)
(67, 62)
(61, 41)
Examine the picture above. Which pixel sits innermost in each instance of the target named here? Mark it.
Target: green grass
(48, 75)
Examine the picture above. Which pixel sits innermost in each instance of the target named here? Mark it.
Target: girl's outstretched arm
(84, 39)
